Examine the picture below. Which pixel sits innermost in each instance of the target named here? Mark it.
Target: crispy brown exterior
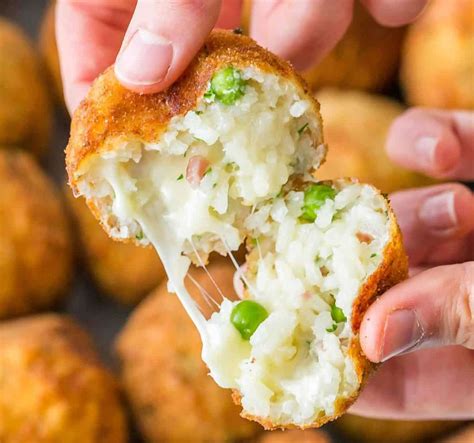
(438, 56)
(167, 384)
(392, 270)
(35, 238)
(356, 125)
(49, 50)
(53, 389)
(369, 430)
(123, 271)
(25, 106)
(111, 112)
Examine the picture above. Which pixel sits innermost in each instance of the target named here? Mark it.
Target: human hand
(153, 41)
(433, 310)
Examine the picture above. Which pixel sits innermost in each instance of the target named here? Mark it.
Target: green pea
(227, 86)
(337, 314)
(247, 316)
(314, 197)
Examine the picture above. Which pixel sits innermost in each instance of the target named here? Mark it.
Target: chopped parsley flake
(302, 129)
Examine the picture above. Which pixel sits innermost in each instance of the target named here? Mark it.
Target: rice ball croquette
(49, 49)
(294, 436)
(35, 240)
(356, 124)
(123, 271)
(25, 106)
(225, 156)
(366, 58)
(438, 56)
(369, 430)
(172, 396)
(53, 389)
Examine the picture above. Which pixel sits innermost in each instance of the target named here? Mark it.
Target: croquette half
(53, 387)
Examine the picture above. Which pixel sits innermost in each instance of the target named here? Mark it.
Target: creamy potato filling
(305, 274)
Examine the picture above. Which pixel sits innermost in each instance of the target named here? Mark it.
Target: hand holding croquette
(152, 43)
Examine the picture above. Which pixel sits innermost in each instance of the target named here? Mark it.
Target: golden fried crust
(111, 113)
(35, 240)
(49, 49)
(53, 388)
(392, 270)
(25, 107)
(172, 396)
(123, 271)
(366, 58)
(368, 430)
(356, 124)
(309, 436)
(438, 56)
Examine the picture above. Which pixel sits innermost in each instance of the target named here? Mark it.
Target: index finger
(435, 142)
(89, 35)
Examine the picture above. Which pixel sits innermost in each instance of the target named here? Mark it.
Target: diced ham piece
(196, 169)
(364, 238)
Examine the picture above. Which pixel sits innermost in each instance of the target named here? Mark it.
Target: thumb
(434, 308)
(161, 40)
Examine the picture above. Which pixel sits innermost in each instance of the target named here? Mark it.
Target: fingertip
(301, 32)
(396, 13)
(370, 334)
(424, 140)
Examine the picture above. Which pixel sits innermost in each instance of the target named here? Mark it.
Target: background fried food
(368, 430)
(123, 271)
(356, 124)
(366, 58)
(25, 108)
(438, 57)
(49, 49)
(35, 243)
(171, 394)
(308, 436)
(52, 386)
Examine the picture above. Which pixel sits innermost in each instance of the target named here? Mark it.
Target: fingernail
(402, 333)
(145, 60)
(438, 212)
(425, 149)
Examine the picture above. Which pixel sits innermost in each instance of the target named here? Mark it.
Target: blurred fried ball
(172, 396)
(49, 49)
(438, 56)
(123, 271)
(368, 430)
(308, 436)
(355, 128)
(464, 435)
(366, 58)
(35, 240)
(52, 386)
(25, 106)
